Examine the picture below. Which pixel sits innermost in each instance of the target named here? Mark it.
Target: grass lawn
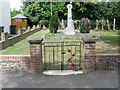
(109, 41)
(22, 47)
(107, 44)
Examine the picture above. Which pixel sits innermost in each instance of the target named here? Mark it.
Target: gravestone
(97, 23)
(114, 24)
(69, 30)
(108, 25)
(62, 24)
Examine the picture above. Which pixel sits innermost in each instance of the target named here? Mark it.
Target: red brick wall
(24, 62)
(113, 61)
(36, 54)
(15, 62)
(89, 60)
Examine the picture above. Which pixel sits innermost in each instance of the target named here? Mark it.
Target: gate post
(36, 54)
(89, 54)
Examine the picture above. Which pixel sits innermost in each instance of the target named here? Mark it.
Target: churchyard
(76, 39)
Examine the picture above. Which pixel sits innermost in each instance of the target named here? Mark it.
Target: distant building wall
(5, 19)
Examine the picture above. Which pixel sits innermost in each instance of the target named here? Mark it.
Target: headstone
(28, 29)
(108, 24)
(63, 26)
(97, 22)
(20, 31)
(69, 30)
(44, 27)
(114, 24)
(34, 27)
(38, 26)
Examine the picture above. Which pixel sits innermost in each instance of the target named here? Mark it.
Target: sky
(15, 4)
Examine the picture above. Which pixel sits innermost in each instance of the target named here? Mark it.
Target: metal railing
(62, 55)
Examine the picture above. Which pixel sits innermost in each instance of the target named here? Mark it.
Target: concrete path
(96, 79)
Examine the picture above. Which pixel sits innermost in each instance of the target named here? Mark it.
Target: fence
(62, 55)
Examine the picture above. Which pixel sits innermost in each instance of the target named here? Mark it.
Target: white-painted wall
(5, 19)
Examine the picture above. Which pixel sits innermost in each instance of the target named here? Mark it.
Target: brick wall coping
(35, 41)
(106, 54)
(14, 55)
(89, 40)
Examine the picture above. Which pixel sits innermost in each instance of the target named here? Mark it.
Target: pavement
(95, 79)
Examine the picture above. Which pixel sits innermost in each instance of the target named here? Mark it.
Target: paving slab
(96, 79)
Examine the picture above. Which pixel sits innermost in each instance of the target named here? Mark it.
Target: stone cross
(69, 30)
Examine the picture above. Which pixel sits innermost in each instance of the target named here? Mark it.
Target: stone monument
(69, 30)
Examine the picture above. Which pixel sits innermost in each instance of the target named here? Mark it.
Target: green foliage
(77, 24)
(92, 24)
(44, 22)
(37, 11)
(85, 25)
(24, 29)
(54, 23)
(15, 12)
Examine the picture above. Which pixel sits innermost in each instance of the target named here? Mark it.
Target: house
(5, 19)
(20, 21)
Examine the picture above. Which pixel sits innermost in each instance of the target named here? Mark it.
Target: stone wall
(6, 42)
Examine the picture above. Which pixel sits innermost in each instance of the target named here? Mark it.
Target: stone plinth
(69, 31)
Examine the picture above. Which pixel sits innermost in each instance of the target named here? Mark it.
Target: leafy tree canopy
(37, 11)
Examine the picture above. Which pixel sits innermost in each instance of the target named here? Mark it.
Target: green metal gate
(62, 55)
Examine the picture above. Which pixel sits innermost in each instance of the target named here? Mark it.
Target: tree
(54, 23)
(15, 12)
(37, 11)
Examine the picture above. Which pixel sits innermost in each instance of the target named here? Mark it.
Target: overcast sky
(15, 4)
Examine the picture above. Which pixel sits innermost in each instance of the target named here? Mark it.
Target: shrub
(76, 24)
(53, 23)
(92, 24)
(85, 25)
(24, 29)
(44, 22)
